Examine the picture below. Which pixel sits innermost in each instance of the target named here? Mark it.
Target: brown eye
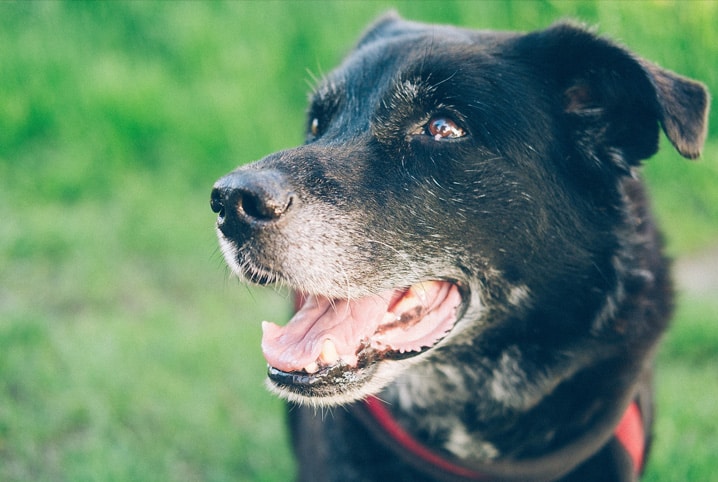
(444, 128)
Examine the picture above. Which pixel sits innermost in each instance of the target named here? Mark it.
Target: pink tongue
(353, 325)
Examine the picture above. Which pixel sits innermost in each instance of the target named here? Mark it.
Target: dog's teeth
(390, 317)
(420, 290)
(312, 368)
(417, 295)
(329, 355)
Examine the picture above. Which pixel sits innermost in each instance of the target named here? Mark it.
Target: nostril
(216, 202)
(264, 206)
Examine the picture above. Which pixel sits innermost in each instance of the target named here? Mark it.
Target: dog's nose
(252, 196)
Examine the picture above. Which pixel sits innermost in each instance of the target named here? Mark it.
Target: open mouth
(330, 343)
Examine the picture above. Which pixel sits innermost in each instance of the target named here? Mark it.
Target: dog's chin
(335, 351)
(333, 387)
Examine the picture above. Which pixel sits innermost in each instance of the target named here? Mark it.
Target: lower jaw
(332, 386)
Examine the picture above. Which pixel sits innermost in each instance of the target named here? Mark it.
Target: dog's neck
(375, 415)
(512, 403)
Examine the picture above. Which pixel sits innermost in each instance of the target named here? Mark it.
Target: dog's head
(448, 177)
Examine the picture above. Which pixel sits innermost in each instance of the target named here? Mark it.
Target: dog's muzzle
(333, 345)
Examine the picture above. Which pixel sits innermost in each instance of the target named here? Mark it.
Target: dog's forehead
(423, 54)
(417, 52)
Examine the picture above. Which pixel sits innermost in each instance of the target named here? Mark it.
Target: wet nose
(252, 196)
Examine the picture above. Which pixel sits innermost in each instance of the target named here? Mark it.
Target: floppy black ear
(387, 26)
(614, 101)
(684, 107)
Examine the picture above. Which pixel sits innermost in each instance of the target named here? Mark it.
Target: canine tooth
(329, 353)
(311, 368)
(420, 291)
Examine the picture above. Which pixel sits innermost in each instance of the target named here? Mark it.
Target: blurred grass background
(127, 352)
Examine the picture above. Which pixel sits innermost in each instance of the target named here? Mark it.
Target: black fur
(534, 212)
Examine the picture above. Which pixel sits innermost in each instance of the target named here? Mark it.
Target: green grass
(126, 350)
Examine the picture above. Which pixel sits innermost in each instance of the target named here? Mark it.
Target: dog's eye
(444, 128)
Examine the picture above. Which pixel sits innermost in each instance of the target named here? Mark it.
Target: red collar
(632, 436)
(629, 432)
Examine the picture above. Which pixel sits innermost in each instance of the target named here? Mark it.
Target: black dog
(472, 245)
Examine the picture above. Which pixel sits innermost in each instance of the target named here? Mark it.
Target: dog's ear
(684, 109)
(388, 25)
(614, 101)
